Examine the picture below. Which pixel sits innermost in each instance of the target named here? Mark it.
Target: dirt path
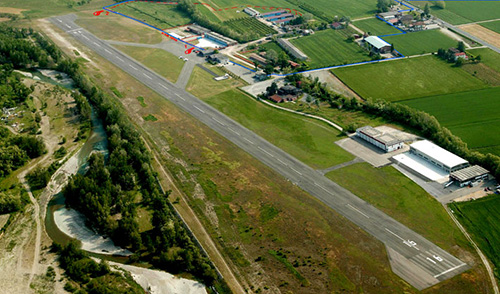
(454, 36)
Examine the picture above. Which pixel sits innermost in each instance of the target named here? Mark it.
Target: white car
(180, 57)
(185, 59)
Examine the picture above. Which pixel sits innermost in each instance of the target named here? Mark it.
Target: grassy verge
(375, 27)
(159, 15)
(281, 257)
(395, 194)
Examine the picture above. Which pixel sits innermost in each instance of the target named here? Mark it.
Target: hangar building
(468, 175)
(383, 141)
(438, 156)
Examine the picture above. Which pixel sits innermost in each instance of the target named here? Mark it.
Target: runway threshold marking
(449, 270)
(357, 210)
(198, 108)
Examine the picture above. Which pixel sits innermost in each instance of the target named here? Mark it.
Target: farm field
(480, 218)
(478, 126)
(375, 27)
(421, 42)
(156, 59)
(400, 80)
(398, 196)
(329, 48)
(249, 25)
(488, 57)
(460, 12)
(42, 8)
(162, 16)
(492, 25)
(482, 33)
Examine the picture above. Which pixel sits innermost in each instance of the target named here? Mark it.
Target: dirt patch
(334, 83)
(482, 33)
(12, 10)
(473, 196)
(2, 19)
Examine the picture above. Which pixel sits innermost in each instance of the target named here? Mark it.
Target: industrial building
(225, 41)
(290, 48)
(438, 156)
(198, 30)
(273, 14)
(468, 175)
(386, 142)
(377, 45)
(252, 12)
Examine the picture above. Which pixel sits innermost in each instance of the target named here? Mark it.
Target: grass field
(159, 15)
(328, 48)
(44, 8)
(162, 62)
(488, 57)
(407, 79)
(470, 115)
(493, 25)
(398, 196)
(421, 42)
(249, 25)
(460, 12)
(480, 218)
(273, 45)
(375, 27)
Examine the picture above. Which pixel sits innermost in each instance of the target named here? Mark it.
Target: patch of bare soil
(12, 10)
(482, 33)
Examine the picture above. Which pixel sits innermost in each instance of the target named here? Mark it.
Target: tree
(272, 56)
(383, 5)
(427, 10)
(478, 58)
(459, 62)
(461, 46)
(269, 69)
(440, 4)
(273, 89)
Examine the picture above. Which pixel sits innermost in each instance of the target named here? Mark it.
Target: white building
(438, 156)
(386, 142)
(252, 12)
(290, 48)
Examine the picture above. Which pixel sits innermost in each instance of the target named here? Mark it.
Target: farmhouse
(276, 98)
(290, 48)
(383, 141)
(377, 45)
(438, 156)
(336, 25)
(468, 175)
(458, 55)
(252, 12)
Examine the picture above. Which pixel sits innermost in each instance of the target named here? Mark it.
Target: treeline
(112, 189)
(421, 121)
(87, 276)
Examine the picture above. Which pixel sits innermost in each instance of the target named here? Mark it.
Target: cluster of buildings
(212, 36)
(426, 159)
(407, 21)
(279, 17)
(286, 93)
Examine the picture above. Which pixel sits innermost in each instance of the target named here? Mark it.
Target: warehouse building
(273, 13)
(383, 141)
(377, 45)
(438, 156)
(252, 12)
(290, 48)
(225, 41)
(468, 175)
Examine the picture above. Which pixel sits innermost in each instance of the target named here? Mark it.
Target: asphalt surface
(414, 258)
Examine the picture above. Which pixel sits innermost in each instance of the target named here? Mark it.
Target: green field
(159, 15)
(375, 27)
(44, 8)
(472, 116)
(488, 57)
(328, 48)
(420, 42)
(249, 25)
(274, 46)
(398, 196)
(493, 25)
(407, 79)
(480, 218)
(460, 12)
(162, 62)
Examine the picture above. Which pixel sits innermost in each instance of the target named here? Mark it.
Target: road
(414, 258)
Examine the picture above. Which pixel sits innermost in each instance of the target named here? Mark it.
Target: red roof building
(461, 55)
(276, 98)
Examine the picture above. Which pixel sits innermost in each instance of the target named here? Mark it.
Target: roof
(438, 154)
(460, 54)
(276, 98)
(386, 139)
(292, 49)
(388, 13)
(377, 42)
(469, 173)
(273, 13)
(336, 24)
(284, 20)
(258, 58)
(393, 20)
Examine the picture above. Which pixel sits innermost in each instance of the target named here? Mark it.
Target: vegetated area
(420, 42)
(118, 28)
(395, 194)
(407, 78)
(460, 12)
(162, 16)
(162, 62)
(480, 218)
(492, 25)
(488, 57)
(375, 27)
(319, 48)
(249, 210)
(249, 24)
(308, 140)
(41, 8)
(469, 115)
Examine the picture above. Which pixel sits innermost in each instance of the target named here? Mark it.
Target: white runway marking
(430, 260)
(59, 20)
(281, 162)
(295, 170)
(147, 76)
(97, 44)
(449, 270)
(133, 66)
(179, 96)
(85, 37)
(75, 30)
(265, 151)
(355, 209)
(108, 51)
(234, 131)
(67, 26)
(394, 234)
(248, 141)
(198, 108)
(163, 86)
(218, 121)
(119, 58)
(326, 190)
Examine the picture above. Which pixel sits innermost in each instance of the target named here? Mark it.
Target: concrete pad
(421, 167)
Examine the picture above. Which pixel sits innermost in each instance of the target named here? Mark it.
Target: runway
(414, 258)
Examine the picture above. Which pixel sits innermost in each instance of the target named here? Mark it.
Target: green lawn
(273, 45)
(328, 48)
(493, 25)
(481, 220)
(159, 15)
(375, 27)
(470, 115)
(308, 140)
(407, 79)
(420, 42)
(162, 62)
(44, 8)
(460, 12)
(401, 198)
(488, 57)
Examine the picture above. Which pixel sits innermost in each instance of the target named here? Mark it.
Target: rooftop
(469, 173)
(273, 13)
(386, 139)
(438, 154)
(376, 42)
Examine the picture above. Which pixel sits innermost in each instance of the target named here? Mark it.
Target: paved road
(414, 258)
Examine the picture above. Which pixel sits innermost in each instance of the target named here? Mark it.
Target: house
(458, 55)
(418, 25)
(336, 25)
(454, 50)
(392, 20)
(377, 45)
(276, 98)
(293, 64)
(389, 15)
(258, 59)
(406, 19)
(218, 58)
(290, 98)
(288, 89)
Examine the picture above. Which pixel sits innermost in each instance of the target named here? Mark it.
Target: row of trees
(418, 120)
